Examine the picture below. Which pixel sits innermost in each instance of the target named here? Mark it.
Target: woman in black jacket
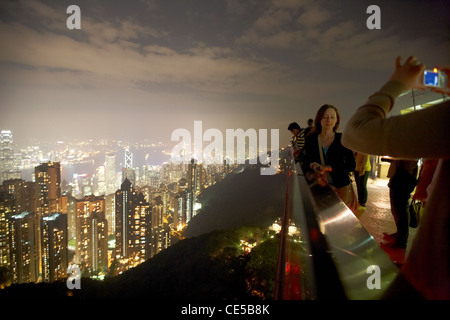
(324, 154)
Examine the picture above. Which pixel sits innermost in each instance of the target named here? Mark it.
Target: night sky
(141, 69)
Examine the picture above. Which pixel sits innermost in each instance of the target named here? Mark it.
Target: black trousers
(361, 186)
(399, 197)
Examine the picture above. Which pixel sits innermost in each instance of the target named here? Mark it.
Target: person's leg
(363, 194)
(399, 208)
(358, 185)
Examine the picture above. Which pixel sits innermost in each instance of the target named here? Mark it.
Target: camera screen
(430, 78)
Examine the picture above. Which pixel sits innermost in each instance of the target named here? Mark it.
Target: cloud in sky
(145, 68)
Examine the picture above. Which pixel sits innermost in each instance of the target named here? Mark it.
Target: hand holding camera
(409, 73)
(414, 75)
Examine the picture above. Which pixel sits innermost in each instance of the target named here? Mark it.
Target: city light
(109, 226)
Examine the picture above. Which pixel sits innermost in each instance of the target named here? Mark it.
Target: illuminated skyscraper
(110, 212)
(128, 171)
(99, 245)
(132, 214)
(23, 193)
(24, 246)
(7, 205)
(48, 184)
(194, 187)
(71, 216)
(180, 206)
(156, 226)
(92, 237)
(128, 158)
(162, 220)
(122, 213)
(180, 210)
(8, 169)
(110, 172)
(101, 181)
(54, 237)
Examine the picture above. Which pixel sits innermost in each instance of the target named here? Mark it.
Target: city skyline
(145, 68)
(90, 211)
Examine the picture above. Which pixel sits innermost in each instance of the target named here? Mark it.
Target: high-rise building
(153, 177)
(48, 184)
(144, 175)
(123, 202)
(54, 237)
(163, 220)
(143, 211)
(164, 173)
(176, 172)
(110, 172)
(91, 234)
(128, 158)
(24, 247)
(132, 215)
(24, 194)
(71, 216)
(194, 187)
(180, 206)
(100, 181)
(180, 210)
(157, 236)
(194, 177)
(7, 207)
(8, 168)
(110, 213)
(128, 171)
(6, 150)
(99, 244)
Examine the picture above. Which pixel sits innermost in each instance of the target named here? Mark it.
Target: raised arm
(418, 134)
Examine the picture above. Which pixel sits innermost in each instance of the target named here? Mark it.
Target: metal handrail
(332, 256)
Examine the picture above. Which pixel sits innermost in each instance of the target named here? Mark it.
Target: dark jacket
(341, 159)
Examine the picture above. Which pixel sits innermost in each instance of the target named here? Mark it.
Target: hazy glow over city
(141, 69)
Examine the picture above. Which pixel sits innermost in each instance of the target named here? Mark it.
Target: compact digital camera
(435, 78)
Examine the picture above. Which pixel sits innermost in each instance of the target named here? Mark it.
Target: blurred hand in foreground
(410, 73)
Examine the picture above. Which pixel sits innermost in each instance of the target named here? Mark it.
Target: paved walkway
(378, 218)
